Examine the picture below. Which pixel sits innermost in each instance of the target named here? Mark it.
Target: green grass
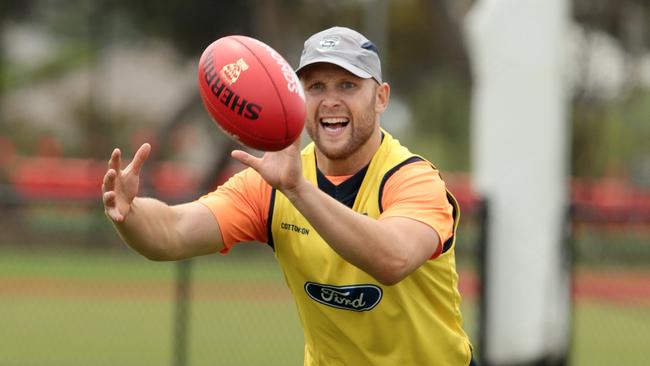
(94, 332)
(85, 332)
(607, 334)
(74, 323)
(81, 307)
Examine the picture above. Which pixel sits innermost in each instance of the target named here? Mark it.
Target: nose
(331, 99)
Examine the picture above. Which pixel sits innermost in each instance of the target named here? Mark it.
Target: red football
(252, 93)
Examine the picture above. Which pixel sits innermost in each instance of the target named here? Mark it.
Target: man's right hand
(120, 186)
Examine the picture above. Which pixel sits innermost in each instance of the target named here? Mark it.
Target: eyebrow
(339, 78)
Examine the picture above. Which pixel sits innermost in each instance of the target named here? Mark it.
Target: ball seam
(275, 88)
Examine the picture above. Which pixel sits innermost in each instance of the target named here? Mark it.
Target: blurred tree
(608, 133)
(623, 19)
(430, 68)
(421, 45)
(15, 9)
(190, 25)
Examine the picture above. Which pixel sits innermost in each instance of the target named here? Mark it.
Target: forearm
(149, 228)
(365, 242)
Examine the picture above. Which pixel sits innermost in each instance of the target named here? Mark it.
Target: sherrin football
(252, 93)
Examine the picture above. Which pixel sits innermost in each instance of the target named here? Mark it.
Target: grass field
(118, 309)
(77, 307)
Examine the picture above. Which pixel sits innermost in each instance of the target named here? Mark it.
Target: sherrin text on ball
(251, 92)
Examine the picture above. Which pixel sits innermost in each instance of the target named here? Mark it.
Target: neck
(353, 163)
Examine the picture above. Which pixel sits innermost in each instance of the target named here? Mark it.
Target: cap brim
(341, 63)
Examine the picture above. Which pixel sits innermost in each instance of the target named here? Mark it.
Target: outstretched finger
(139, 158)
(115, 161)
(108, 184)
(246, 158)
(110, 207)
(108, 198)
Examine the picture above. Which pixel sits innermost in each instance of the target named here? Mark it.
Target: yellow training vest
(348, 317)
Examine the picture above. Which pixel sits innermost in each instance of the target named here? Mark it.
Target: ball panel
(286, 82)
(224, 91)
(242, 85)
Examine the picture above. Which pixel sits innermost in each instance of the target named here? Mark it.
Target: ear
(383, 95)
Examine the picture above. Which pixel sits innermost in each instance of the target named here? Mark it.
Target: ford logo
(353, 298)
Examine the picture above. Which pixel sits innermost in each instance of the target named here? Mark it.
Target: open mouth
(334, 124)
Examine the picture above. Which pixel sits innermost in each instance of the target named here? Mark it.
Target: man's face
(342, 109)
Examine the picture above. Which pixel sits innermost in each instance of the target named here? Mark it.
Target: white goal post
(520, 166)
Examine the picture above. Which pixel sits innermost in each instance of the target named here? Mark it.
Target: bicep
(419, 240)
(418, 193)
(197, 229)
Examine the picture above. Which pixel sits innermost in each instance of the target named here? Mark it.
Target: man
(362, 228)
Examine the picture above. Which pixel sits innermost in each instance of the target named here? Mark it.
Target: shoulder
(411, 180)
(413, 171)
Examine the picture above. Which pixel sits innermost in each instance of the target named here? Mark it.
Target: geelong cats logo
(353, 298)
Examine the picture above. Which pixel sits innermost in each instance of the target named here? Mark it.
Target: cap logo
(329, 42)
(230, 72)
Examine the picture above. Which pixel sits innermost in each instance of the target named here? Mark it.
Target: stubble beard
(361, 131)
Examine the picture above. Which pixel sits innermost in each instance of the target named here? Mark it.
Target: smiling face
(343, 113)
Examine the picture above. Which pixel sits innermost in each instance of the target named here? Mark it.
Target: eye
(316, 86)
(348, 85)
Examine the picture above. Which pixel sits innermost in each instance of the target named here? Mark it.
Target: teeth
(333, 120)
